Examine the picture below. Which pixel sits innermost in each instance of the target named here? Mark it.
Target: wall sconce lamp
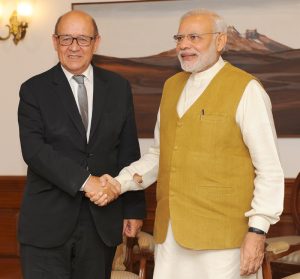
(18, 21)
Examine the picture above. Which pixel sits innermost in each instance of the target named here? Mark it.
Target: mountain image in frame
(276, 65)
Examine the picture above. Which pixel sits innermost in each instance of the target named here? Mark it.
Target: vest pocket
(213, 190)
(213, 117)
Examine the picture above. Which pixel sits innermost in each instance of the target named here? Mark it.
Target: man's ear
(97, 42)
(55, 42)
(221, 42)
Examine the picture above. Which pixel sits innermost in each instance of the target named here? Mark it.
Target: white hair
(219, 23)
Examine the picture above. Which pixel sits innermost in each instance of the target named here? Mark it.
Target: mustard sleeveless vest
(205, 181)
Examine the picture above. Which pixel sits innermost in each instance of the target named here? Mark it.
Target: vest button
(175, 147)
(173, 169)
(179, 124)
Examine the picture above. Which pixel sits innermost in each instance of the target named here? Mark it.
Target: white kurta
(254, 117)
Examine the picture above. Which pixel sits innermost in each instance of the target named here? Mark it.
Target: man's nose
(74, 46)
(184, 43)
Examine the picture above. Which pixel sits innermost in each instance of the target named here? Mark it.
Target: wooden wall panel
(8, 223)
(286, 225)
(11, 191)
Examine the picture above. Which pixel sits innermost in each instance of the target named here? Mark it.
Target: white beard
(203, 62)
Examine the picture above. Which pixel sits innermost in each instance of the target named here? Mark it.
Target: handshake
(102, 190)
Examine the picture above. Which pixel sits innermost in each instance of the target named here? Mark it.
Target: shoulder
(42, 77)
(109, 76)
(234, 71)
(179, 77)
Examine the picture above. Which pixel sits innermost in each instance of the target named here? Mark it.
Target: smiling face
(200, 54)
(75, 58)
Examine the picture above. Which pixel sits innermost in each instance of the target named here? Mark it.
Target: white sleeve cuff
(127, 182)
(82, 187)
(259, 222)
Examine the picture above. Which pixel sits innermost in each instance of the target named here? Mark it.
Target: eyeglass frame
(76, 39)
(188, 36)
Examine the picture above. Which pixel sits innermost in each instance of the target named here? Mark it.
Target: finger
(112, 188)
(134, 232)
(114, 194)
(258, 263)
(102, 201)
(251, 268)
(109, 194)
(243, 264)
(104, 179)
(246, 267)
(125, 224)
(138, 228)
(97, 196)
(129, 234)
(88, 195)
(91, 195)
(101, 204)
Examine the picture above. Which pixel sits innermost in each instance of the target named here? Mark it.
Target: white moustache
(186, 53)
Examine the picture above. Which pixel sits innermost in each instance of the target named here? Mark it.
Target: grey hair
(219, 23)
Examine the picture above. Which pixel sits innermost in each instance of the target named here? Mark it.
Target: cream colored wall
(31, 56)
(35, 54)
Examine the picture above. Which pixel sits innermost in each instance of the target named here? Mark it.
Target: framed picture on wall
(136, 42)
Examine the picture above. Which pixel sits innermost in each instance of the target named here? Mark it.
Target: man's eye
(65, 39)
(179, 38)
(194, 37)
(83, 39)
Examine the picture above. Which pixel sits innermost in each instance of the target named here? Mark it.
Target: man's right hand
(103, 190)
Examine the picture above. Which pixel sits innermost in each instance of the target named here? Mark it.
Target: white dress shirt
(89, 85)
(254, 117)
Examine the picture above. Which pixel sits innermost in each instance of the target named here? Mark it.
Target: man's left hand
(131, 227)
(252, 253)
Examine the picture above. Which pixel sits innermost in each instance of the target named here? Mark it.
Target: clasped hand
(102, 190)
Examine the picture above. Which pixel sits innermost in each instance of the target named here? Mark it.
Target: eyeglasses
(67, 40)
(193, 38)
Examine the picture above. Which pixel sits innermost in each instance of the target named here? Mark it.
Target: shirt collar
(210, 71)
(88, 73)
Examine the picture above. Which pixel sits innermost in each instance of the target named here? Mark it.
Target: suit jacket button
(89, 155)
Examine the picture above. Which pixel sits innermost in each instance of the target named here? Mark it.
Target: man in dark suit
(67, 143)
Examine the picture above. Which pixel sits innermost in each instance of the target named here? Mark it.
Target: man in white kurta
(254, 118)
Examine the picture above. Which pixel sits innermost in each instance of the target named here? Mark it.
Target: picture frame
(148, 72)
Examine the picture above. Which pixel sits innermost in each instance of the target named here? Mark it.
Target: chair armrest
(277, 250)
(278, 247)
(146, 242)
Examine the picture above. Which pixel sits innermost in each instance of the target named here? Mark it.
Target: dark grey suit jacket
(59, 159)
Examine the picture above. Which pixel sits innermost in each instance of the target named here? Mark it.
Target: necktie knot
(79, 79)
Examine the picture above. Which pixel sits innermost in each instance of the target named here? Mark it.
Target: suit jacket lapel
(99, 99)
(64, 91)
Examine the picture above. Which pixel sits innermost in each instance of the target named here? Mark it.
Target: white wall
(35, 54)
(31, 56)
